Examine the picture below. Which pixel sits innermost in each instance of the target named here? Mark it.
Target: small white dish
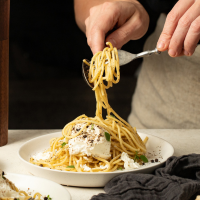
(35, 184)
(155, 145)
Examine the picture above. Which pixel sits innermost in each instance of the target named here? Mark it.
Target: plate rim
(91, 173)
(38, 180)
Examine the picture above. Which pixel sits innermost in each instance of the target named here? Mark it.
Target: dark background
(46, 52)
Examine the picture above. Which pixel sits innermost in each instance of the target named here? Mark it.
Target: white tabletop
(183, 141)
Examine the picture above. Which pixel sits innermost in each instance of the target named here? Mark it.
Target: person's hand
(181, 31)
(116, 22)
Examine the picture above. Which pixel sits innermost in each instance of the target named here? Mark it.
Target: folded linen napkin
(179, 179)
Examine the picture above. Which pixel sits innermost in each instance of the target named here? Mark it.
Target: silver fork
(124, 58)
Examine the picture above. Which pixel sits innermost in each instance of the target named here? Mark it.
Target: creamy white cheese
(91, 141)
(5, 189)
(86, 168)
(103, 166)
(42, 156)
(128, 162)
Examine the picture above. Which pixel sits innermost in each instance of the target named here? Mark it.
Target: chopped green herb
(120, 168)
(112, 116)
(92, 127)
(63, 144)
(70, 166)
(3, 177)
(49, 198)
(107, 135)
(136, 156)
(142, 157)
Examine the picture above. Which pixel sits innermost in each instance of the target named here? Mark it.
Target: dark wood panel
(4, 62)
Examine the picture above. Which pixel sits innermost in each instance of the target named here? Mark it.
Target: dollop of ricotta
(128, 162)
(91, 141)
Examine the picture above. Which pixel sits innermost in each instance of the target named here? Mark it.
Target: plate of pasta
(158, 151)
(89, 151)
(22, 187)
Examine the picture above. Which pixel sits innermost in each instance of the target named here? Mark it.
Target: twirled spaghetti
(103, 72)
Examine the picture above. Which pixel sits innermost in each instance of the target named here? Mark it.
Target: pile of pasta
(104, 71)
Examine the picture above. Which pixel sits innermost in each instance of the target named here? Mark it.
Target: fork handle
(148, 53)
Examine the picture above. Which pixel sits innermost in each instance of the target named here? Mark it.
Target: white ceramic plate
(157, 146)
(41, 185)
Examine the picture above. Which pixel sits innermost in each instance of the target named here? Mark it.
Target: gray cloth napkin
(179, 179)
